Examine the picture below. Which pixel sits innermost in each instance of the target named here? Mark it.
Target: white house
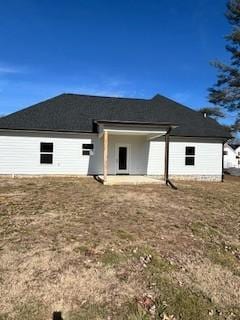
(231, 155)
(87, 135)
(237, 150)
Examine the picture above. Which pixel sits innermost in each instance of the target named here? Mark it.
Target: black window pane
(46, 147)
(86, 153)
(122, 158)
(46, 158)
(189, 161)
(88, 146)
(190, 151)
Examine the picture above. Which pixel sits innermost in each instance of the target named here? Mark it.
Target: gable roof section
(78, 113)
(234, 146)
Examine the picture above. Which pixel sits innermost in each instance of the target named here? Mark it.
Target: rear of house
(87, 135)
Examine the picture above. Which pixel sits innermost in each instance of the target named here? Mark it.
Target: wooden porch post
(223, 161)
(166, 155)
(105, 155)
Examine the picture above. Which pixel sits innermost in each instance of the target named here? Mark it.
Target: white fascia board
(137, 132)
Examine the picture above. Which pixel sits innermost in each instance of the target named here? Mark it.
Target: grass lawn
(119, 252)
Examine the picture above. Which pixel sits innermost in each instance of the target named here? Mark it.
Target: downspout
(166, 173)
(223, 161)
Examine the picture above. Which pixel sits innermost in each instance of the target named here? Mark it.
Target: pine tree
(212, 112)
(226, 92)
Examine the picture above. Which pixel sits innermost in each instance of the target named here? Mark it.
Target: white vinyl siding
(156, 158)
(208, 158)
(20, 154)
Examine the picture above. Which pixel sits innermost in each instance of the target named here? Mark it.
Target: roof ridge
(159, 96)
(180, 105)
(104, 97)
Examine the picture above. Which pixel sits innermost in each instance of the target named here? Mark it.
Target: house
(231, 155)
(73, 134)
(237, 150)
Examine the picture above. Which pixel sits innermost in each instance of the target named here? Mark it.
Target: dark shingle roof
(73, 112)
(234, 145)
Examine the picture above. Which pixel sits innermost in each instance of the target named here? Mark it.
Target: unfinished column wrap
(166, 171)
(105, 155)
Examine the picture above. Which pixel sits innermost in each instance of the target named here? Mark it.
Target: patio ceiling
(150, 130)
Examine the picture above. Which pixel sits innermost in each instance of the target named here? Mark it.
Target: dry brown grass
(74, 245)
(215, 281)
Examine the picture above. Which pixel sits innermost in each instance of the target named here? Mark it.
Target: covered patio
(125, 151)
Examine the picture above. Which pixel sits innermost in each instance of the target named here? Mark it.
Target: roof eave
(165, 124)
(45, 130)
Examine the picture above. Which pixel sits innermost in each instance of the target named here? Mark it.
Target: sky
(129, 48)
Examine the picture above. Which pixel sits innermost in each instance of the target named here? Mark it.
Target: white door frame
(126, 145)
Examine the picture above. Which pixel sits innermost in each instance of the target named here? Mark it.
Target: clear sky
(130, 48)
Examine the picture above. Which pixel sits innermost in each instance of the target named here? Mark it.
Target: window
(189, 161)
(87, 149)
(190, 156)
(46, 153)
(190, 151)
(46, 158)
(225, 153)
(88, 146)
(46, 147)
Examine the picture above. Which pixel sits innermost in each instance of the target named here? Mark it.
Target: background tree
(236, 125)
(226, 92)
(212, 112)
(216, 113)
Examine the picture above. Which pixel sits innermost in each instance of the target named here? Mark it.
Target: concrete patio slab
(128, 180)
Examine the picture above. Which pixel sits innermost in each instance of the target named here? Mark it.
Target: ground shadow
(57, 315)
